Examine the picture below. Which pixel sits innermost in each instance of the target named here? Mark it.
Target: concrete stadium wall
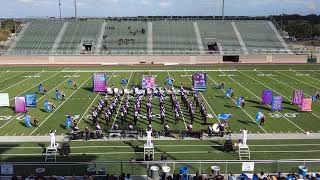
(123, 60)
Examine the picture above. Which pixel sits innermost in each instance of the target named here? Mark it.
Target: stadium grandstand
(148, 36)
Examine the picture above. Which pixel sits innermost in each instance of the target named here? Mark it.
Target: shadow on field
(253, 101)
(246, 122)
(88, 89)
(262, 107)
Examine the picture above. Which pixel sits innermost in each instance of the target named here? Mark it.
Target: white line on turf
(236, 102)
(298, 80)
(36, 101)
(93, 101)
(19, 82)
(59, 106)
(260, 99)
(115, 118)
(160, 152)
(177, 145)
(293, 89)
(215, 115)
(36, 84)
(185, 125)
(10, 77)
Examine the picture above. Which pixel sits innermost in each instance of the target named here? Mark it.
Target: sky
(106, 8)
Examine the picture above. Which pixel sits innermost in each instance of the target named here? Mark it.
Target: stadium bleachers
(39, 36)
(137, 36)
(76, 32)
(258, 35)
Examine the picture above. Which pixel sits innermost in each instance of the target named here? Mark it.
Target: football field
(247, 81)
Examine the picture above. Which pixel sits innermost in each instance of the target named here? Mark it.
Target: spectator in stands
(128, 177)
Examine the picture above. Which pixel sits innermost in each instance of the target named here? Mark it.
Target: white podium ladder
(148, 150)
(51, 154)
(244, 152)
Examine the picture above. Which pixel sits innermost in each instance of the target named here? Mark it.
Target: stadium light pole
(75, 9)
(222, 10)
(60, 9)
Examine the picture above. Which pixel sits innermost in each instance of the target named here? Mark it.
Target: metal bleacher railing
(135, 167)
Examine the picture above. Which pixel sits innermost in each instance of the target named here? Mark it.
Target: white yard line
(236, 103)
(269, 105)
(93, 101)
(299, 80)
(10, 76)
(59, 106)
(36, 101)
(36, 85)
(215, 115)
(185, 125)
(20, 82)
(293, 89)
(115, 118)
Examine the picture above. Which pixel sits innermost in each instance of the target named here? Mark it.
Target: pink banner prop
(20, 104)
(306, 105)
(297, 97)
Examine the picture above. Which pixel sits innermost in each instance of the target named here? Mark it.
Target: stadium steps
(58, 40)
(199, 39)
(241, 42)
(150, 38)
(22, 32)
(284, 44)
(97, 48)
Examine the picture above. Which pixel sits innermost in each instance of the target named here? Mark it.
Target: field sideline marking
(59, 106)
(185, 125)
(293, 89)
(160, 152)
(19, 82)
(37, 84)
(93, 101)
(115, 118)
(269, 105)
(36, 101)
(163, 70)
(191, 145)
(236, 103)
(299, 80)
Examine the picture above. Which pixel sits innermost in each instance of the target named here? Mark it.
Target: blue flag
(40, 88)
(47, 106)
(27, 121)
(240, 101)
(68, 122)
(58, 94)
(169, 81)
(228, 93)
(259, 115)
(70, 82)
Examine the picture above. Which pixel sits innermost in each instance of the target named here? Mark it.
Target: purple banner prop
(276, 103)
(20, 104)
(267, 96)
(199, 81)
(297, 97)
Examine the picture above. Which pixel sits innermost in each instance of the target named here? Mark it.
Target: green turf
(246, 80)
(243, 79)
